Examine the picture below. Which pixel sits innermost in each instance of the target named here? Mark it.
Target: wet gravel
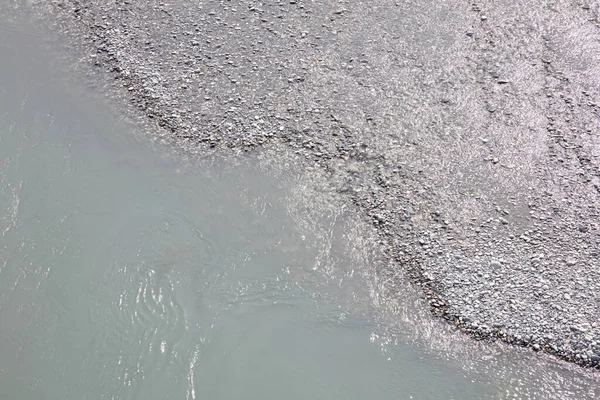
(468, 133)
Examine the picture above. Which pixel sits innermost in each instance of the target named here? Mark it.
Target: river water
(127, 273)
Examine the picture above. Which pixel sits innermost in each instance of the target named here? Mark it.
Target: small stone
(576, 328)
(567, 296)
(483, 18)
(353, 169)
(536, 347)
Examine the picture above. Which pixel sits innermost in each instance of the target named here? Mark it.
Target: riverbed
(129, 270)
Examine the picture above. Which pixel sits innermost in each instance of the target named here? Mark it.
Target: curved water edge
(318, 260)
(408, 152)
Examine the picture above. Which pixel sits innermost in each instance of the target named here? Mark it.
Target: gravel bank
(468, 133)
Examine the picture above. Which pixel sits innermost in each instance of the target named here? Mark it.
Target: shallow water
(126, 273)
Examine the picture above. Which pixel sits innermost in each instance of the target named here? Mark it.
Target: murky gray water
(126, 274)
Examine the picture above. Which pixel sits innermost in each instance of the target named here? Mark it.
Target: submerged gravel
(468, 133)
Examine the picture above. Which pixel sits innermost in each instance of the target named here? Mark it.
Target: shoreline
(450, 143)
